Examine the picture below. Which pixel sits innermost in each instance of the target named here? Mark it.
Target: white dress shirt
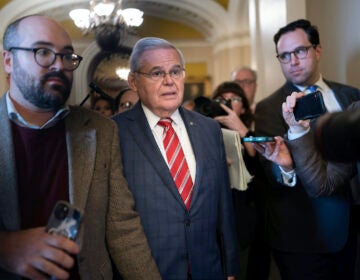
(19, 120)
(180, 129)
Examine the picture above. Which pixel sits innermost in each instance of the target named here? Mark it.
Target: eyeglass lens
(299, 53)
(46, 57)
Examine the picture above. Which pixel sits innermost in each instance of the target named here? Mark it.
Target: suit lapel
(9, 206)
(139, 128)
(195, 134)
(81, 146)
(340, 96)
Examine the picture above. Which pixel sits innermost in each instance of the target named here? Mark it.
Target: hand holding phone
(310, 106)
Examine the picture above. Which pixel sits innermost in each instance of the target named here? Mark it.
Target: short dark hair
(234, 87)
(311, 31)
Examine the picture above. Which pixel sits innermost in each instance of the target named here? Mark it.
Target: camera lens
(61, 211)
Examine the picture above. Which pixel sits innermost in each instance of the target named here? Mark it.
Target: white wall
(266, 17)
(339, 26)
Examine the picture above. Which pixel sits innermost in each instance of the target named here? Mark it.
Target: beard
(37, 92)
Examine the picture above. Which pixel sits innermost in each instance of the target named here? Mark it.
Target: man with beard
(50, 152)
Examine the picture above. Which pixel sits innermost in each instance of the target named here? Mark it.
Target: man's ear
(7, 61)
(318, 51)
(132, 82)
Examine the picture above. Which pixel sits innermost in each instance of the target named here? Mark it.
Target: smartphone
(65, 220)
(309, 106)
(258, 139)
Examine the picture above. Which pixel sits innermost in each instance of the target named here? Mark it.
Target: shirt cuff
(289, 178)
(298, 134)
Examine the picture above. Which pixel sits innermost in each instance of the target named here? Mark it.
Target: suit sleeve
(318, 176)
(338, 134)
(126, 239)
(269, 122)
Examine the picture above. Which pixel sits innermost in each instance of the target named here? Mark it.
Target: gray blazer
(96, 185)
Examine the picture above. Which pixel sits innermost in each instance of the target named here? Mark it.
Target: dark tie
(312, 89)
(177, 162)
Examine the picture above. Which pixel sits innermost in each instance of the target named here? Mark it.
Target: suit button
(187, 222)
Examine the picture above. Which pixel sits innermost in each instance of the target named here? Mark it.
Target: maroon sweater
(42, 173)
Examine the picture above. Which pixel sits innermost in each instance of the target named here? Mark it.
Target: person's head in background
(246, 78)
(126, 99)
(298, 50)
(239, 103)
(157, 74)
(104, 106)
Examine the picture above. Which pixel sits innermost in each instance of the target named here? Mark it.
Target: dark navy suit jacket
(204, 236)
(296, 222)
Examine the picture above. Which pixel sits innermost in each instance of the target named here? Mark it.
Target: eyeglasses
(157, 75)
(126, 105)
(245, 82)
(224, 101)
(300, 53)
(45, 57)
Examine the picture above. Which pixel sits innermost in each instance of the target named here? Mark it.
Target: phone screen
(258, 139)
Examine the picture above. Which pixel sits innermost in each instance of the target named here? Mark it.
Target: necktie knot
(165, 122)
(312, 88)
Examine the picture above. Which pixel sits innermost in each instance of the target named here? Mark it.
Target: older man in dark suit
(310, 237)
(185, 208)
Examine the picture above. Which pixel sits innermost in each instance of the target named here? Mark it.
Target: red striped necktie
(177, 163)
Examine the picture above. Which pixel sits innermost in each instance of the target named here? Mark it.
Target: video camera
(211, 108)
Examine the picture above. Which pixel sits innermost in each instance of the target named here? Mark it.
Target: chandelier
(108, 21)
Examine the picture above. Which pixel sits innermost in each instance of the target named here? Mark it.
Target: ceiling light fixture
(108, 21)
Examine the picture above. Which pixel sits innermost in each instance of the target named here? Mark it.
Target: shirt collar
(153, 119)
(320, 83)
(15, 116)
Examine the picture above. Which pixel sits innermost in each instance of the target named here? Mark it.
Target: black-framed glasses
(300, 53)
(45, 57)
(157, 75)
